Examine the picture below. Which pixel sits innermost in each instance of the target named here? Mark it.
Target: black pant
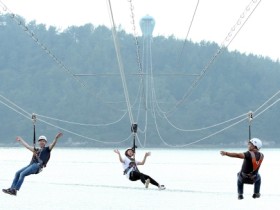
(135, 175)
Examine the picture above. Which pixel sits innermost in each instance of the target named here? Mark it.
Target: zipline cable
(186, 38)
(120, 63)
(27, 115)
(227, 41)
(121, 69)
(62, 66)
(84, 124)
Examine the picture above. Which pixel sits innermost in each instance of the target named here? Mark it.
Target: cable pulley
(134, 127)
(250, 118)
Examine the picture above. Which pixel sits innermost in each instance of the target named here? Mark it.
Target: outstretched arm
(55, 140)
(233, 154)
(119, 154)
(19, 139)
(144, 159)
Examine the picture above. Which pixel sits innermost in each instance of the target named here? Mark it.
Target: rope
(84, 124)
(27, 115)
(186, 38)
(267, 101)
(227, 41)
(267, 108)
(199, 140)
(34, 37)
(121, 68)
(135, 35)
(33, 117)
(86, 137)
(204, 128)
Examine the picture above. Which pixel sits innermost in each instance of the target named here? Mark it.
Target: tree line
(47, 80)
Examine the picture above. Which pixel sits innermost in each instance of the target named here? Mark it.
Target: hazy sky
(213, 21)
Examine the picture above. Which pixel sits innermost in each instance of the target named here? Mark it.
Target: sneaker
(240, 197)
(10, 191)
(256, 195)
(161, 187)
(147, 183)
(13, 192)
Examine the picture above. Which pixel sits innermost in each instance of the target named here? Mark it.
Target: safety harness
(36, 150)
(256, 164)
(132, 164)
(251, 177)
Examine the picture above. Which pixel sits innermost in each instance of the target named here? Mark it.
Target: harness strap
(131, 165)
(256, 164)
(126, 170)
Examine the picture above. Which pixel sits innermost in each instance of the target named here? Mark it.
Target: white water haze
(88, 179)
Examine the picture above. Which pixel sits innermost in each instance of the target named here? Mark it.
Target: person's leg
(15, 181)
(134, 176)
(31, 169)
(152, 181)
(240, 186)
(143, 177)
(257, 187)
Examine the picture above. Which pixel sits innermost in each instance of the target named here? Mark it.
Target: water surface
(93, 179)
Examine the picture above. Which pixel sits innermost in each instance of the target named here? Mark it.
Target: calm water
(82, 179)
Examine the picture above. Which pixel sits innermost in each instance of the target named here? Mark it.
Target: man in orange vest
(251, 164)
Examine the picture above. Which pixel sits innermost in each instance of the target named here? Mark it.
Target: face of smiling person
(42, 143)
(130, 153)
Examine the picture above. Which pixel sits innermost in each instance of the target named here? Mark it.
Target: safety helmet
(42, 138)
(256, 142)
(126, 151)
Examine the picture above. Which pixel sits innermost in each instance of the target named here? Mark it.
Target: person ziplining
(130, 164)
(249, 173)
(131, 170)
(39, 159)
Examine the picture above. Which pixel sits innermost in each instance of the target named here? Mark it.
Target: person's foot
(147, 183)
(256, 195)
(240, 197)
(13, 192)
(161, 187)
(10, 191)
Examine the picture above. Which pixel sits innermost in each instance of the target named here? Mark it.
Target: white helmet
(42, 138)
(256, 142)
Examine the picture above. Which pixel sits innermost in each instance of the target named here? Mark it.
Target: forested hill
(39, 73)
